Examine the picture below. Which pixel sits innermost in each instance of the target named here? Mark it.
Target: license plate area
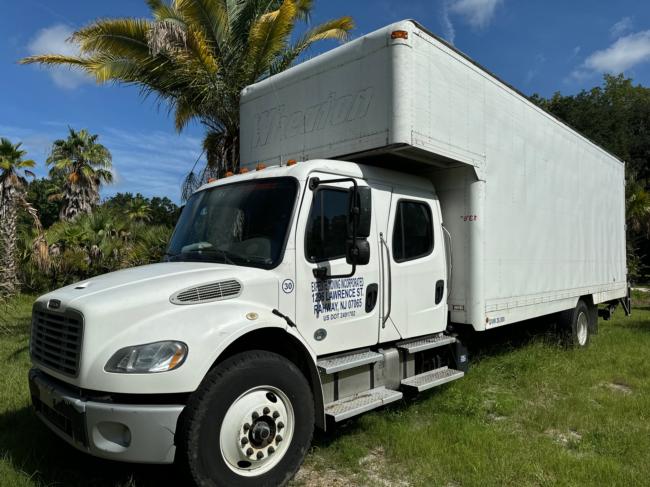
(64, 414)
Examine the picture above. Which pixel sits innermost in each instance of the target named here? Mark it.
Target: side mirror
(360, 212)
(357, 252)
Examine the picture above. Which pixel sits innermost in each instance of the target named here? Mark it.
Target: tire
(576, 325)
(254, 403)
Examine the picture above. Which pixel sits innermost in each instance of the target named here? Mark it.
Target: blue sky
(537, 46)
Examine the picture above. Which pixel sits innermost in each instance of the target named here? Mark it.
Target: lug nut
(276, 415)
(247, 427)
(244, 440)
(260, 455)
(255, 415)
(278, 439)
(280, 425)
(271, 450)
(266, 411)
(249, 452)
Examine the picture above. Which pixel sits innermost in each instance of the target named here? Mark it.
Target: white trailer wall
(535, 210)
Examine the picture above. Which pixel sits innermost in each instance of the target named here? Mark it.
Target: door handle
(390, 283)
(440, 288)
(372, 291)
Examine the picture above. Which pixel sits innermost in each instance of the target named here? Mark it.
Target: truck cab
(316, 263)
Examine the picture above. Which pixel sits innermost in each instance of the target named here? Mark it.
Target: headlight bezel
(134, 352)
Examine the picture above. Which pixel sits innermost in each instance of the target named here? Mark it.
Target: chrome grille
(56, 340)
(208, 292)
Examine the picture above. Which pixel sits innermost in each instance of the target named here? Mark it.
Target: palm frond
(189, 185)
(268, 37)
(125, 37)
(335, 29)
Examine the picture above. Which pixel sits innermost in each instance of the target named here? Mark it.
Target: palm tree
(85, 165)
(138, 210)
(12, 198)
(197, 55)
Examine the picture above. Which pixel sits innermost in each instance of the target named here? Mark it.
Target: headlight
(152, 357)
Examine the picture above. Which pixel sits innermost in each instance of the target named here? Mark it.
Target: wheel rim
(256, 431)
(582, 326)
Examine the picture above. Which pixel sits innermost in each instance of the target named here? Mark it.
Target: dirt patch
(620, 387)
(373, 474)
(308, 476)
(373, 465)
(571, 437)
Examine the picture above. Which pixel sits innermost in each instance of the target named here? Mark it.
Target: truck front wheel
(250, 423)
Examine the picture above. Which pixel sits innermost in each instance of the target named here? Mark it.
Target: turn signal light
(399, 34)
(260, 166)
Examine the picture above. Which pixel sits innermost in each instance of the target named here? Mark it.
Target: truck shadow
(41, 456)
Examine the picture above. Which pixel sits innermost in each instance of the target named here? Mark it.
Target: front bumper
(124, 432)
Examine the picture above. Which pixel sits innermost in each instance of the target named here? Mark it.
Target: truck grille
(56, 340)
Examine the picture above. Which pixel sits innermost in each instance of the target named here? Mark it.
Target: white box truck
(393, 195)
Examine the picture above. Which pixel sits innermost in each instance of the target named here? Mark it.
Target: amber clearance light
(399, 34)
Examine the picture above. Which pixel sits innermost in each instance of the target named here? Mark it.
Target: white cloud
(622, 55)
(54, 40)
(621, 27)
(447, 25)
(476, 13)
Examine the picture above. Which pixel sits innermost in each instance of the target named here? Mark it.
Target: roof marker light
(260, 166)
(211, 180)
(292, 162)
(243, 170)
(229, 173)
(399, 34)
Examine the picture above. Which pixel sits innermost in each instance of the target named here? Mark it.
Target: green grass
(528, 413)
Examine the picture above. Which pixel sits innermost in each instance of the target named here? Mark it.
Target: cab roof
(302, 170)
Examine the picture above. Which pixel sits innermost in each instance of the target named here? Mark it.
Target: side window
(326, 230)
(413, 231)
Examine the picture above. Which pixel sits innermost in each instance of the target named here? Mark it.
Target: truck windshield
(240, 224)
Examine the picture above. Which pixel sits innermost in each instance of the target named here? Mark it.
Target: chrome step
(360, 403)
(432, 378)
(419, 344)
(338, 363)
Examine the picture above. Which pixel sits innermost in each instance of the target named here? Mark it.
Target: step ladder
(360, 403)
(430, 379)
(338, 363)
(420, 344)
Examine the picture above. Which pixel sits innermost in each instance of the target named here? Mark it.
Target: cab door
(418, 287)
(340, 313)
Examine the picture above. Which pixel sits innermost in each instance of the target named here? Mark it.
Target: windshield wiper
(213, 250)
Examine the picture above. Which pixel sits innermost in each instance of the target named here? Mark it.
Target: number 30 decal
(287, 286)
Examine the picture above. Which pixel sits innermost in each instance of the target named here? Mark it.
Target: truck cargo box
(535, 211)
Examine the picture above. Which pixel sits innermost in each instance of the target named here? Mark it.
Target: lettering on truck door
(341, 313)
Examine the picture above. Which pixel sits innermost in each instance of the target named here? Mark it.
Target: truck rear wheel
(576, 325)
(250, 423)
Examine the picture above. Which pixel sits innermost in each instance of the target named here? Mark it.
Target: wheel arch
(278, 340)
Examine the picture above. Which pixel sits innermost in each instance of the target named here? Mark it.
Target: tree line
(55, 230)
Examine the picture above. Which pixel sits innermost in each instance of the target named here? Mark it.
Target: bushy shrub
(101, 242)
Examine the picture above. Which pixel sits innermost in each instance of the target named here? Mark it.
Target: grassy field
(528, 413)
